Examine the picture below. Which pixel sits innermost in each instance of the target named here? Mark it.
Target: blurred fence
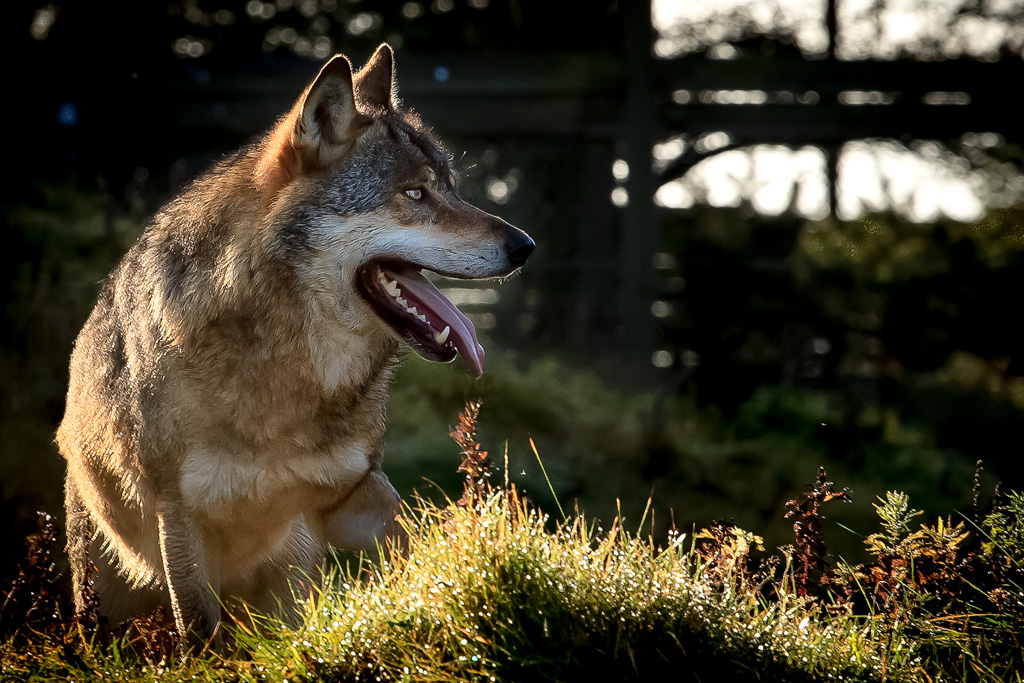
(537, 137)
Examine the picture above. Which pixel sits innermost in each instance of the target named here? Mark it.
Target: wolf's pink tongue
(463, 333)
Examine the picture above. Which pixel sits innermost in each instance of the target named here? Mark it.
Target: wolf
(226, 401)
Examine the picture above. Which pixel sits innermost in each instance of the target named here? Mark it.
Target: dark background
(712, 357)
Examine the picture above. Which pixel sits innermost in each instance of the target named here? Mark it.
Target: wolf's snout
(518, 246)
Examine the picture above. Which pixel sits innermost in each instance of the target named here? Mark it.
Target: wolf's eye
(415, 193)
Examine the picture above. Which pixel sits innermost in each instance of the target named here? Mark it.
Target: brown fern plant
(725, 549)
(32, 602)
(475, 463)
(808, 554)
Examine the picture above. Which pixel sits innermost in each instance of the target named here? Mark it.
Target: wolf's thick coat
(226, 401)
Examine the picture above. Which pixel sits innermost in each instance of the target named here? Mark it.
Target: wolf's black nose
(519, 246)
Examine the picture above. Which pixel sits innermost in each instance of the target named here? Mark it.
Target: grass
(602, 444)
(492, 589)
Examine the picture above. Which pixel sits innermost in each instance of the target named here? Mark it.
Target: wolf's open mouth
(420, 313)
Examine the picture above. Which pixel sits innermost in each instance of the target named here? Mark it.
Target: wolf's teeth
(442, 337)
(401, 301)
(412, 311)
(422, 318)
(392, 288)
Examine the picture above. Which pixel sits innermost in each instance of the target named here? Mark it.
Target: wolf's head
(368, 193)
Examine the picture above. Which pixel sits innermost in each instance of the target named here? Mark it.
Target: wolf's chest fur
(214, 481)
(296, 423)
(247, 502)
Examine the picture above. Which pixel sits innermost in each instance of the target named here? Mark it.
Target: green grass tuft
(490, 589)
(487, 592)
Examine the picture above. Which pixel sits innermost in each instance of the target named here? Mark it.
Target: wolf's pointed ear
(328, 111)
(320, 129)
(375, 82)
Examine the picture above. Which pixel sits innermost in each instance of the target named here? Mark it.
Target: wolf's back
(113, 428)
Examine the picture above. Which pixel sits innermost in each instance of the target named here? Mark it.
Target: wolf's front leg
(80, 531)
(193, 593)
(366, 517)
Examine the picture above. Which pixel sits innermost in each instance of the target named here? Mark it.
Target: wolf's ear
(328, 111)
(320, 129)
(375, 82)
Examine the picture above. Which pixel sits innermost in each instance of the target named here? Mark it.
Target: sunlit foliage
(864, 29)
